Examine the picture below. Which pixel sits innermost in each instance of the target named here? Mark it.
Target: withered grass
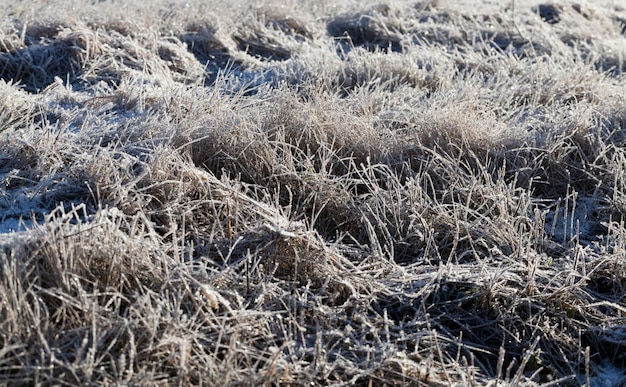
(299, 193)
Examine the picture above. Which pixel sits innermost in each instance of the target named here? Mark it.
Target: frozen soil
(312, 193)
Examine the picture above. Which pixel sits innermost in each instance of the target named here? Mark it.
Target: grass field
(312, 193)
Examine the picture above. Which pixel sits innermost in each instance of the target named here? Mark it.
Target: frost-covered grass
(312, 193)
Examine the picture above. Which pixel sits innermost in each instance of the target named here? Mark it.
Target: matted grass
(312, 193)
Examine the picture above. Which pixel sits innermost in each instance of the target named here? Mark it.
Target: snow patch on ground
(609, 376)
(10, 225)
(567, 219)
(19, 213)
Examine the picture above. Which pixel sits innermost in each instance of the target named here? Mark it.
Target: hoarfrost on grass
(311, 193)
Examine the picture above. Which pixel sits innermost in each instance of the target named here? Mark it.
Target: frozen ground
(312, 193)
